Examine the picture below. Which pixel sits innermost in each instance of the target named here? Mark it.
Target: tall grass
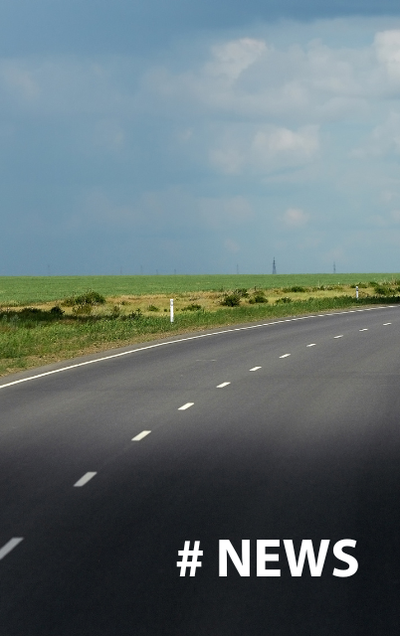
(35, 337)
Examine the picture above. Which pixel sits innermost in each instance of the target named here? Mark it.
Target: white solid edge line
(285, 355)
(140, 436)
(186, 406)
(10, 545)
(255, 368)
(222, 385)
(84, 480)
(169, 342)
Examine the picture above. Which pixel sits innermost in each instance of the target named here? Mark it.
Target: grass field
(25, 290)
(48, 319)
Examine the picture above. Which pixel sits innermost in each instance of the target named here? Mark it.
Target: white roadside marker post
(171, 309)
(356, 292)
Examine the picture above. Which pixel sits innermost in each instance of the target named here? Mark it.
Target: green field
(24, 290)
(47, 319)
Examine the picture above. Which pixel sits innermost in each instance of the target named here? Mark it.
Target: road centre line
(221, 386)
(170, 342)
(10, 545)
(338, 336)
(311, 345)
(386, 323)
(285, 355)
(186, 406)
(84, 480)
(255, 368)
(140, 436)
(363, 330)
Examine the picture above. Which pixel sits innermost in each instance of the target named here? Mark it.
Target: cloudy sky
(199, 137)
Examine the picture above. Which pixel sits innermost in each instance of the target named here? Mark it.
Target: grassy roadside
(37, 335)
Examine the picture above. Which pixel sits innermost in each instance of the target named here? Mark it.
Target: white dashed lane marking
(10, 545)
(140, 436)
(386, 323)
(363, 330)
(311, 345)
(221, 386)
(84, 480)
(338, 336)
(255, 369)
(285, 355)
(186, 406)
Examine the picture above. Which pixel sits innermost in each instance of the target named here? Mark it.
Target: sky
(199, 137)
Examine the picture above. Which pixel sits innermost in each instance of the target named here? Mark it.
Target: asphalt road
(290, 431)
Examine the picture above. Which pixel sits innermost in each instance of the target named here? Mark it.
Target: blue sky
(199, 137)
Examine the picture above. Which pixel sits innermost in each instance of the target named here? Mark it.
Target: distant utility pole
(274, 266)
(334, 267)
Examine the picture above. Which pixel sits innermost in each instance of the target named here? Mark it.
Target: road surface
(263, 437)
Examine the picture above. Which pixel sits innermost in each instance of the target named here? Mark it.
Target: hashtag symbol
(190, 558)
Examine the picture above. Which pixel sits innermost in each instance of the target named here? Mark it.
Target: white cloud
(253, 78)
(232, 58)
(273, 142)
(383, 140)
(264, 149)
(387, 47)
(295, 218)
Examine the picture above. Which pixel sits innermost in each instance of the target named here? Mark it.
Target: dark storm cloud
(123, 26)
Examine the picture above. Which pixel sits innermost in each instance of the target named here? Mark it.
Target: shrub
(82, 310)
(88, 298)
(153, 308)
(242, 292)
(360, 285)
(192, 307)
(231, 300)
(381, 290)
(258, 297)
(56, 311)
(115, 312)
(284, 299)
(295, 289)
(135, 315)
(319, 288)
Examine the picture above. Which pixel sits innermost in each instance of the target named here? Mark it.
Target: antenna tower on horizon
(274, 266)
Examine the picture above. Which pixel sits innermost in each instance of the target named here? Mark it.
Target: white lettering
(347, 558)
(242, 564)
(316, 564)
(263, 557)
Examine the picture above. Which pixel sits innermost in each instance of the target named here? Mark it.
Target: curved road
(288, 432)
